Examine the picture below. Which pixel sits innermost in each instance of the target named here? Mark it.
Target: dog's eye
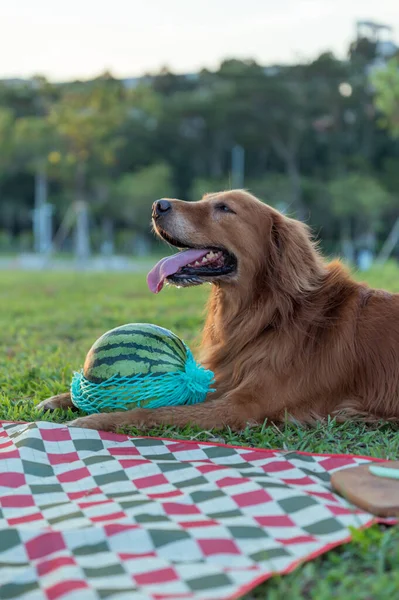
(224, 208)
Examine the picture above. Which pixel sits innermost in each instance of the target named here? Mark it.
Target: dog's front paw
(113, 421)
(62, 401)
(103, 422)
(48, 404)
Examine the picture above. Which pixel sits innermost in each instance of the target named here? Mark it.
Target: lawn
(49, 321)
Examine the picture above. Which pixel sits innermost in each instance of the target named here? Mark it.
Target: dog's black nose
(160, 207)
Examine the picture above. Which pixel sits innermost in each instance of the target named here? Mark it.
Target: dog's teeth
(205, 259)
(210, 254)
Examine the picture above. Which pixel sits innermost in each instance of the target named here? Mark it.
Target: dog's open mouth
(190, 266)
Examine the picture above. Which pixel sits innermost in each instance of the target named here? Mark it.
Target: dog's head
(224, 238)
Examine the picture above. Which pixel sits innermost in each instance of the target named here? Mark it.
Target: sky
(83, 38)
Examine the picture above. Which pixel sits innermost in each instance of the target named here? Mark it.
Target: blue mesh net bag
(139, 365)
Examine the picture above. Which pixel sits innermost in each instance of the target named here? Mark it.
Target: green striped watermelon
(139, 365)
(133, 349)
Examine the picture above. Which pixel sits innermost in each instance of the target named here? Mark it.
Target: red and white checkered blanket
(86, 515)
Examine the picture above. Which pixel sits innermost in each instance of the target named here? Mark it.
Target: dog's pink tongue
(170, 265)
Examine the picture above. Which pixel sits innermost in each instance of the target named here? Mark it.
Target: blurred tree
(386, 84)
(14, 187)
(359, 202)
(205, 185)
(274, 189)
(131, 197)
(362, 51)
(35, 143)
(140, 129)
(88, 121)
(178, 140)
(133, 194)
(268, 109)
(310, 134)
(167, 83)
(6, 134)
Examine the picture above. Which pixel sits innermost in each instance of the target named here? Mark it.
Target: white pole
(237, 167)
(39, 214)
(82, 241)
(389, 244)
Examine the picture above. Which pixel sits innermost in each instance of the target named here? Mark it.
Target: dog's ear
(276, 241)
(292, 259)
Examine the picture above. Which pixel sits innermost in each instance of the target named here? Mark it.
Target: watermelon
(133, 349)
(139, 365)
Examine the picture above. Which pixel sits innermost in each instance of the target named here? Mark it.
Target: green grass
(48, 322)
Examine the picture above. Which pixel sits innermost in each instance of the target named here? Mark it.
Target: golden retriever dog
(287, 334)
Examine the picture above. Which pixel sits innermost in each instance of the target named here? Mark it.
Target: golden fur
(288, 336)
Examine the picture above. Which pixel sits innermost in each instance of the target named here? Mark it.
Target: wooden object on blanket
(375, 494)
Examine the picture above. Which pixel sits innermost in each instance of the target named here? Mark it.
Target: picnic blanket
(86, 515)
